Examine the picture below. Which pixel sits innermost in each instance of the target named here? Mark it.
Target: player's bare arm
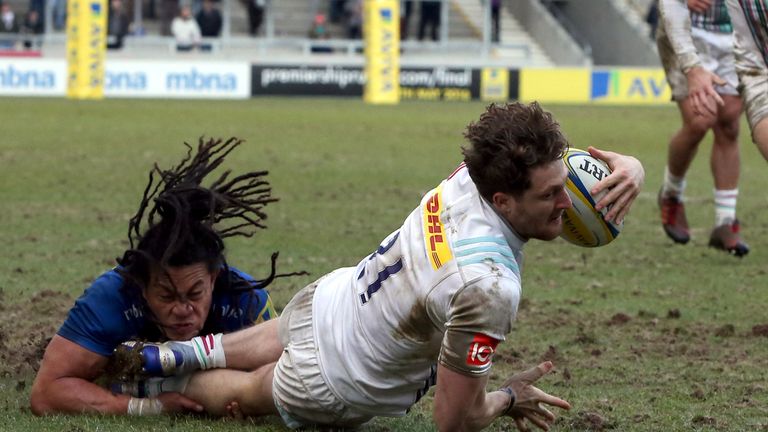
(462, 403)
(65, 384)
(623, 184)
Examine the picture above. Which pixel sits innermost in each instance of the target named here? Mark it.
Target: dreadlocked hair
(187, 222)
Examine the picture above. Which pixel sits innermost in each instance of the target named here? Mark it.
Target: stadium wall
(242, 80)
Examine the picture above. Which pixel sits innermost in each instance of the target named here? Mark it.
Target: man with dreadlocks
(428, 307)
(173, 283)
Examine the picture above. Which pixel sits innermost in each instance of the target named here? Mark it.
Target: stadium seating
(538, 33)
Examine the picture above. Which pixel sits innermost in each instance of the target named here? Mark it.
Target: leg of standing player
(760, 136)
(682, 150)
(725, 163)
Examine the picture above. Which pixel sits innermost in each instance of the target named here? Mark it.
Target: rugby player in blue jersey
(173, 283)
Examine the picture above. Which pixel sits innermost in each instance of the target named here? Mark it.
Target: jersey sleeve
(101, 317)
(676, 19)
(479, 316)
(254, 305)
(258, 306)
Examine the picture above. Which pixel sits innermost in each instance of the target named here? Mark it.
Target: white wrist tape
(144, 406)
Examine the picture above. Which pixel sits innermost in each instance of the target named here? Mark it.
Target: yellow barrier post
(381, 27)
(86, 48)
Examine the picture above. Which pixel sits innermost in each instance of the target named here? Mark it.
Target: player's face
(181, 300)
(538, 212)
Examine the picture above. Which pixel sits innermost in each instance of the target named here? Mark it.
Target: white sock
(209, 351)
(725, 206)
(177, 383)
(673, 185)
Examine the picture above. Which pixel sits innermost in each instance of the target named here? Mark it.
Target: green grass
(71, 174)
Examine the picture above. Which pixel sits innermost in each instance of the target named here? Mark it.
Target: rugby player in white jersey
(696, 49)
(751, 52)
(429, 306)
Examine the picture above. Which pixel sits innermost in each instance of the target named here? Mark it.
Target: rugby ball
(582, 224)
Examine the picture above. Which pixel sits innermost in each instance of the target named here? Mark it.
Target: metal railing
(303, 46)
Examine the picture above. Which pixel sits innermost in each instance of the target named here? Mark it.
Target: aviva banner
(630, 86)
(494, 84)
(382, 51)
(554, 85)
(86, 48)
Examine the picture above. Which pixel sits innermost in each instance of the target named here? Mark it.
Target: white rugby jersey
(444, 287)
(751, 35)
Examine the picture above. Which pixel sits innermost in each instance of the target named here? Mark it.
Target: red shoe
(726, 237)
(673, 219)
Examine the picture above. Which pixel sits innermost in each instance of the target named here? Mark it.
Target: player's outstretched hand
(178, 403)
(529, 400)
(623, 184)
(701, 91)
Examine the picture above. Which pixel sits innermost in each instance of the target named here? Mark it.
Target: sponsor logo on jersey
(435, 240)
(481, 350)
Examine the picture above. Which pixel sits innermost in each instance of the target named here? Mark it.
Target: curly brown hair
(507, 142)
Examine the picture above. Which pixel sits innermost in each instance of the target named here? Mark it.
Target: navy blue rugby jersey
(107, 314)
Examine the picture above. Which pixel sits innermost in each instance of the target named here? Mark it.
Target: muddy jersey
(107, 314)
(443, 288)
(677, 22)
(750, 22)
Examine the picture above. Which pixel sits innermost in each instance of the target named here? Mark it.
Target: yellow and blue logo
(96, 9)
(644, 86)
(386, 14)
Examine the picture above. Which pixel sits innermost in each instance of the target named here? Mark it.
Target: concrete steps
(514, 42)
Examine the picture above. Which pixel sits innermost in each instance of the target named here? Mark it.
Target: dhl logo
(435, 239)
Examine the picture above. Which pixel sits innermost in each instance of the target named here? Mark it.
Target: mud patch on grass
(701, 420)
(673, 314)
(590, 421)
(760, 330)
(26, 328)
(619, 319)
(726, 330)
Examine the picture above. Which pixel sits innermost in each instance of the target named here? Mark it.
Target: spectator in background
(255, 14)
(38, 6)
(209, 19)
(495, 17)
(8, 21)
(336, 10)
(652, 18)
(406, 10)
(117, 24)
(8, 26)
(429, 17)
(186, 31)
(318, 30)
(354, 10)
(168, 12)
(32, 26)
(59, 10)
